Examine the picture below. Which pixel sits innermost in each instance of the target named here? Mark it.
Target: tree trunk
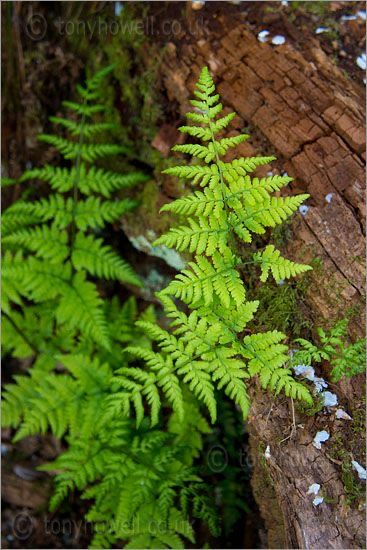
(297, 104)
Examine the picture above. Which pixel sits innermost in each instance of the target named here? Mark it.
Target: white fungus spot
(348, 17)
(303, 209)
(278, 40)
(342, 415)
(330, 399)
(270, 173)
(314, 489)
(362, 61)
(267, 453)
(320, 384)
(321, 30)
(263, 36)
(306, 370)
(362, 14)
(359, 469)
(319, 438)
(317, 501)
(329, 197)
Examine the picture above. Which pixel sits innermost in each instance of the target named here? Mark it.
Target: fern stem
(76, 179)
(222, 185)
(21, 333)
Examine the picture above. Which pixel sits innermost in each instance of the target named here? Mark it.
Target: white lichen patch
(263, 36)
(342, 415)
(329, 399)
(278, 40)
(305, 370)
(321, 30)
(171, 257)
(317, 501)
(267, 453)
(303, 209)
(359, 469)
(308, 372)
(319, 438)
(320, 384)
(348, 18)
(362, 61)
(329, 197)
(314, 489)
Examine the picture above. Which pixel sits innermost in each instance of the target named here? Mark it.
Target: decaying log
(297, 104)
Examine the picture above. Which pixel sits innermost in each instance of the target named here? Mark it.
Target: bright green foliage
(141, 479)
(344, 358)
(281, 268)
(95, 379)
(205, 349)
(56, 233)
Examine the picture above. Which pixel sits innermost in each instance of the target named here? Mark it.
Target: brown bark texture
(299, 106)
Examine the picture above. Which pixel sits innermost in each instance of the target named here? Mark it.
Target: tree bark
(297, 104)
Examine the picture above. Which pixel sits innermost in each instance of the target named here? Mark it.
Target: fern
(281, 268)
(96, 380)
(345, 358)
(205, 347)
(58, 230)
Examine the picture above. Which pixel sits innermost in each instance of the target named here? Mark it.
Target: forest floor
(37, 75)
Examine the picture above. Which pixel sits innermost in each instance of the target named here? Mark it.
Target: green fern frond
(201, 175)
(232, 204)
(37, 280)
(89, 180)
(46, 242)
(204, 280)
(281, 268)
(81, 307)
(244, 165)
(95, 213)
(88, 152)
(206, 203)
(203, 236)
(100, 260)
(84, 108)
(92, 212)
(88, 130)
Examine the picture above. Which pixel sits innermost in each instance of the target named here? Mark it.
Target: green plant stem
(21, 333)
(76, 179)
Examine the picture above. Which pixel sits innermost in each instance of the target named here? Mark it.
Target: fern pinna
(205, 349)
(52, 246)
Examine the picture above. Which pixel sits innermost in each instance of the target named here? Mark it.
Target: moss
(149, 207)
(359, 419)
(133, 95)
(310, 410)
(314, 8)
(282, 306)
(354, 489)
